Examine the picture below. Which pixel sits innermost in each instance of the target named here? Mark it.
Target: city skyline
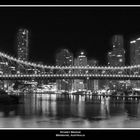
(88, 29)
(115, 57)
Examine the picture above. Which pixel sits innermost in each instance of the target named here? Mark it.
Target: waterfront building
(135, 52)
(4, 68)
(64, 58)
(116, 57)
(12, 69)
(78, 84)
(92, 84)
(22, 43)
(135, 59)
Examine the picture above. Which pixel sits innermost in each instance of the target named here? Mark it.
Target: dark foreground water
(70, 111)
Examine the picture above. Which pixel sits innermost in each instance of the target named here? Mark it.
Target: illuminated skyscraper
(23, 44)
(117, 56)
(117, 41)
(64, 58)
(135, 52)
(135, 59)
(91, 83)
(81, 60)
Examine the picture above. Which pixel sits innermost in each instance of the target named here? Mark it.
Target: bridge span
(68, 76)
(63, 72)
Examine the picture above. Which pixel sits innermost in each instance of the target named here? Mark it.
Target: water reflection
(55, 110)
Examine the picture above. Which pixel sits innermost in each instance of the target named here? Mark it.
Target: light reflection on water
(70, 111)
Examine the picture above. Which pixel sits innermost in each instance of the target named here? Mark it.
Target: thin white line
(69, 5)
(74, 128)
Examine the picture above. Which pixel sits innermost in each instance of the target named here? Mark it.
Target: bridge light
(121, 67)
(135, 66)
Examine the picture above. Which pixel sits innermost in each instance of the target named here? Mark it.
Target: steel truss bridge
(25, 70)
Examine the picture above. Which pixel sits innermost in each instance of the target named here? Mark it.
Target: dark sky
(88, 29)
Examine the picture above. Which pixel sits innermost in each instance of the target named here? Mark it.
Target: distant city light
(119, 55)
(138, 39)
(82, 53)
(133, 41)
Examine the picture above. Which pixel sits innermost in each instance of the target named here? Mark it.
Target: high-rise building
(4, 68)
(81, 60)
(135, 52)
(92, 84)
(116, 57)
(23, 44)
(135, 58)
(118, 41)
(64, 58)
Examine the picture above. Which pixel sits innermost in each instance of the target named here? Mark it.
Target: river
(70, 111)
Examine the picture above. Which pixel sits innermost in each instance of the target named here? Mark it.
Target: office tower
(135, 59)
(23, 44)
(78, 84)
(92, 84)
(135, 52)
(82, 59)
(4, 68)
(64, 58)
(118, 41)
(116, 57)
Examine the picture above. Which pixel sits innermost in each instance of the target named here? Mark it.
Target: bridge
(67, 76)
(26, 70)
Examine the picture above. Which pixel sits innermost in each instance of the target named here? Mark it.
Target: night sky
(88, 29)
